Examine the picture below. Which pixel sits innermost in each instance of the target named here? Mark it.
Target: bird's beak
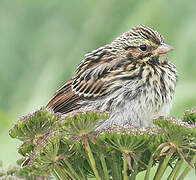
(162, 49)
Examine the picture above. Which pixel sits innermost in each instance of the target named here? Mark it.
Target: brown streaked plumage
(131, 78)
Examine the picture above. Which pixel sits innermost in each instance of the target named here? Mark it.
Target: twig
(125, 176)
(162, 168)
(92, 161)
(187, 169)
(105, 170)
(147, 175)
(176, 170)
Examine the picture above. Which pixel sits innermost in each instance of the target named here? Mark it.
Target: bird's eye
(143, 47)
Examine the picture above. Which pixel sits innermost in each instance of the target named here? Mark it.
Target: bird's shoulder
(94, 73)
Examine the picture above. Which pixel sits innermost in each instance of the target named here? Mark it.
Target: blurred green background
(42, 42)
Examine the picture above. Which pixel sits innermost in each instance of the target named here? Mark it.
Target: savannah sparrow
(130, 78)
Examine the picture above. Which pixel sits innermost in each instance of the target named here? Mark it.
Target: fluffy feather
(125, 78)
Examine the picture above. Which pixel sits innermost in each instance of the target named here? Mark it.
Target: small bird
(130, 78)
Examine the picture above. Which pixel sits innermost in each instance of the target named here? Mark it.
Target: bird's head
(142, 44)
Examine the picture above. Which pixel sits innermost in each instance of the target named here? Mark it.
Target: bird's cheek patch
(129, 55)
(132, 55)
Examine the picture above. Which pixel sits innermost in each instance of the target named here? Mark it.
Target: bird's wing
(64, 100)
(90, 81)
